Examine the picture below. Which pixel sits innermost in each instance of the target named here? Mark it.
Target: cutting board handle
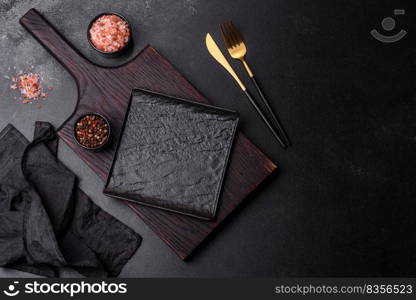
(56, 44)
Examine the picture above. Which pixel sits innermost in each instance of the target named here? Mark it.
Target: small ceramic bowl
(114, 53)
(103, 145)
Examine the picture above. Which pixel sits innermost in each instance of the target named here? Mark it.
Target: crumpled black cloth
(46, 222)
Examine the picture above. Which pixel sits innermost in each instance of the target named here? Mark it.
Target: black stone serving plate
(173, 154)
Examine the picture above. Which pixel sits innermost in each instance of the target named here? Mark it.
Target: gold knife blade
(216, 53)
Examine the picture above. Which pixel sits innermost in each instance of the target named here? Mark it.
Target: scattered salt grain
(29, 86)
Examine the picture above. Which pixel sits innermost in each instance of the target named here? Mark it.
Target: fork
(216, 53)
(238, 50)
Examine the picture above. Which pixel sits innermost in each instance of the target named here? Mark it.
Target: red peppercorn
(92, 131)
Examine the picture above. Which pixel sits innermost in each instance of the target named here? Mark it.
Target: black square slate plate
(172, 154)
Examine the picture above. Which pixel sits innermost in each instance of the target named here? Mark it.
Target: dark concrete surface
(343, 201)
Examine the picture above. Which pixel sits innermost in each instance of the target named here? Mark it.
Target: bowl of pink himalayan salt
(109, 34)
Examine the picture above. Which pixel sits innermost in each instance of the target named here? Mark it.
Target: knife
(216, 53)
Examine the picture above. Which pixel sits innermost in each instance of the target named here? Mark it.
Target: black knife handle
(273, 116)
(265, 119)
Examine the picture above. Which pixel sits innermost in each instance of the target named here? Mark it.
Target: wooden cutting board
(107, 91)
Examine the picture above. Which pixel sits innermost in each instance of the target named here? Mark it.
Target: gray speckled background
(342, 203)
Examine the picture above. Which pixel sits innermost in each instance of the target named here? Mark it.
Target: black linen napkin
(46, 222)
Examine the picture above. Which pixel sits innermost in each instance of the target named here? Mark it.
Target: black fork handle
(265, 119)
(270, 111)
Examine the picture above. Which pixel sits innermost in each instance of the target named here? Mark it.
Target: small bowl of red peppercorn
(92, 131)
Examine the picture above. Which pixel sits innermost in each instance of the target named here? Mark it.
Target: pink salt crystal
(109, 33)
(29, 86)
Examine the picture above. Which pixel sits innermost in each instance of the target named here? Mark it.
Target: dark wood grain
(107, 91)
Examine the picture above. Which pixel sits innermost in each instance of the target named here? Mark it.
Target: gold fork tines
(235, 44)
